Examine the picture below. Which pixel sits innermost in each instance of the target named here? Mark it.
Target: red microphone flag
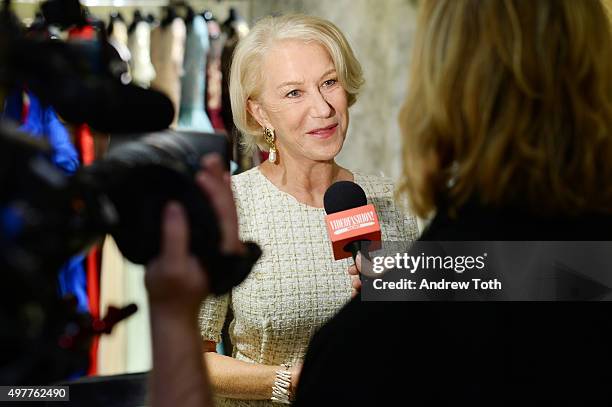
(347, 226)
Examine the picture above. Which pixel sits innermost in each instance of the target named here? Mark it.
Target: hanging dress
(192, 115)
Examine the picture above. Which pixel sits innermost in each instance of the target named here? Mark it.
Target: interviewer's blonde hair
(247, 76)
(510, 102)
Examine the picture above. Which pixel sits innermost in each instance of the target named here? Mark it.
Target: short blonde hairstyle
(510, 102)
(246, 75)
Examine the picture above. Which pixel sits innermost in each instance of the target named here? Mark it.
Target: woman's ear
(256, 110)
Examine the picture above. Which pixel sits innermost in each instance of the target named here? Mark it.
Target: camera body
(47, 216)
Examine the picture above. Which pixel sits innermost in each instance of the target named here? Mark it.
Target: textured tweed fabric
(296, 286)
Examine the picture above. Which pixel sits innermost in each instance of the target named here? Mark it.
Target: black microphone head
(343, 195)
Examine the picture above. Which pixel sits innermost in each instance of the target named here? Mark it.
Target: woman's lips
(325, 132)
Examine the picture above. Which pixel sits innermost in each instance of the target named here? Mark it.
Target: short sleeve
(212, 317)
(214, 309)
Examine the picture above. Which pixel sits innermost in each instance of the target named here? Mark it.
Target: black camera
(46, 216)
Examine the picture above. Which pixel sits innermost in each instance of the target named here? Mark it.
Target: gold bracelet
(281, 390)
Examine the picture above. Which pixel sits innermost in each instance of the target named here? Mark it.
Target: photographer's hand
(177, 284)
(175, 280)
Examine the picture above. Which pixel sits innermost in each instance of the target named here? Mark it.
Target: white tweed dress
(296, 285)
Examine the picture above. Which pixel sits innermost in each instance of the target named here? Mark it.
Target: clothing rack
(108, 3)
(127, 3)
(25, 9)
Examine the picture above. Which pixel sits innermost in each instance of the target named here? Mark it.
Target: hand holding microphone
(354, 271)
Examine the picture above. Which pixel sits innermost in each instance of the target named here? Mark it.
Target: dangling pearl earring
(270, 137)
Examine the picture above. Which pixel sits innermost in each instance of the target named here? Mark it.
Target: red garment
(86, 32)
(83, 138)
(85, 144)
(25, 108)
(216, 119)
(93, 283)
(86, 147)
(93, 293)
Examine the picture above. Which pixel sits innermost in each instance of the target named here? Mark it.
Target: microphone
(352, 224)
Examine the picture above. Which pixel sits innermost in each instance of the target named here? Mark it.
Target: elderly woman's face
(303, 101)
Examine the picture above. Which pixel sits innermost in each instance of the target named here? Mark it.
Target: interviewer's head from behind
(510, 103)
(295, 75)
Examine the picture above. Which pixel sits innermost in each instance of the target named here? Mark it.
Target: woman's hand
(354, 270)
(295, 370)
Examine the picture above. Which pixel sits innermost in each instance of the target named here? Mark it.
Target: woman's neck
(306, 182)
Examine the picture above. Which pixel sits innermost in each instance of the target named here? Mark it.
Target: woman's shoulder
(374, 185)
(245, 177)
(251, 185)
(399, 224)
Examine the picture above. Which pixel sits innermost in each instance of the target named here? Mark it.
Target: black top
(446, 353)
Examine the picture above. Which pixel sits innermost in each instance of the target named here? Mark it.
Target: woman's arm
(229, 377)
(237, 379)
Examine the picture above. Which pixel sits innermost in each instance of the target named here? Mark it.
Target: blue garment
(42, 122)
(192, 114)
(72, 280)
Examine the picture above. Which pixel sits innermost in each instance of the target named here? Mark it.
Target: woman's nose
(321, 107)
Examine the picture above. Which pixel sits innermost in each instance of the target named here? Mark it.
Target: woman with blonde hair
(513, 111)
(507, 132)
(292, 81)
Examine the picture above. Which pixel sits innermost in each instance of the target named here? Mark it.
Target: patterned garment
(296, 286)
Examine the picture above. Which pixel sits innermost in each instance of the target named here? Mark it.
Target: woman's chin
(325, 151)
(327, 155)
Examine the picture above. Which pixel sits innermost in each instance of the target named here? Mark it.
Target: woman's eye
(330, 82)
(293, 94)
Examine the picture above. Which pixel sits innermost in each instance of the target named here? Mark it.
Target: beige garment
(112, 358)
(139, 44)
(167, 53)
(120, 33)
(296, 286)
(138, 330)
(128, 348)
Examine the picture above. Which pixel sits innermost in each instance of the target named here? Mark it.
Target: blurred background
(381, 34)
